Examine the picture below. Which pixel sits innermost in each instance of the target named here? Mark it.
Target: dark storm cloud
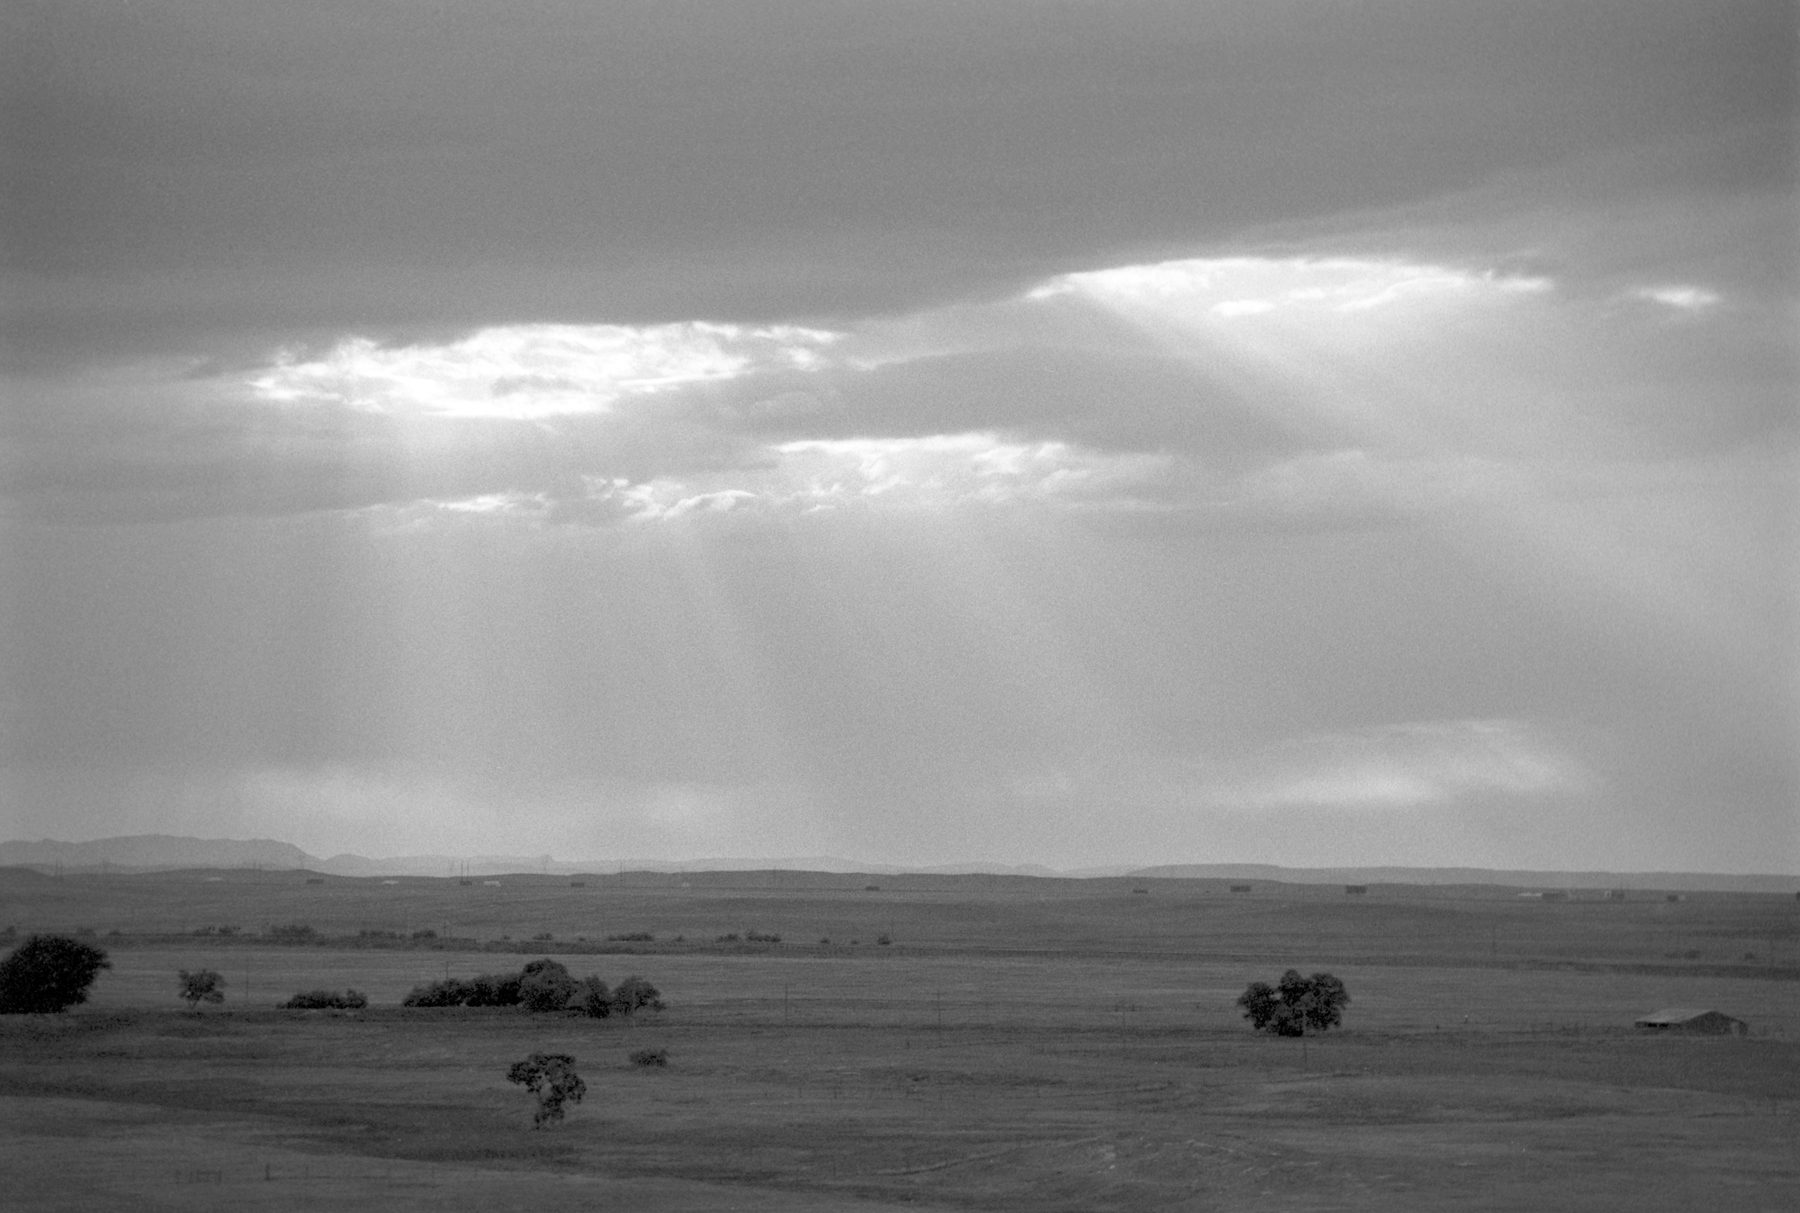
(177, 170)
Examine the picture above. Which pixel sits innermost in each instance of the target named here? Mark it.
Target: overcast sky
(919, 432)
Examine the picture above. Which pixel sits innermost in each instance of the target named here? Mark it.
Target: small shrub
(757, 937)
(650, 1057)
(883, 940)
(425, 934)
(631, 937)
(552, 1078)
(825, 939)
(731, 938)
(48, 973)
(293, 932)
(201, 986)
(542, 937)
(327, 1000)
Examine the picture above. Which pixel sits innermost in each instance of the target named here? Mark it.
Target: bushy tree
(547, 985)
(635, 994)
(451, 992)
(552, 1078)
(204, 985)
(494, 990)
(1295, 1003)
(48, 973)
(595, 999)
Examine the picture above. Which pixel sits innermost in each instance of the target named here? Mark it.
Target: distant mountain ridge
(150, 851)
(153, 852)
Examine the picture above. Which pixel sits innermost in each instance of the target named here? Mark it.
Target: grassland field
(1019, 1044)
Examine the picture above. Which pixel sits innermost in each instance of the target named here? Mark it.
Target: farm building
(1240, 888)
(1688, 1019)
(1355, 890)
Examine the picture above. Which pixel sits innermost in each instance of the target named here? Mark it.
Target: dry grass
(1012, 1051)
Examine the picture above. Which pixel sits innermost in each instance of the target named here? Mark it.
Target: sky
(1018, 432)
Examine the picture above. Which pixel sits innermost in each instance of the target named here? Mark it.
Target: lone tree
(1295, 1003)
(552, 1078)
(635, 994)
(203, 986)
(48, 973)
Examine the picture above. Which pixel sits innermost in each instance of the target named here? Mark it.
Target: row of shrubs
(542, 985)
(327, 1000)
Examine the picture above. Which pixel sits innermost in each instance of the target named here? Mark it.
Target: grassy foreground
(1059, 1048)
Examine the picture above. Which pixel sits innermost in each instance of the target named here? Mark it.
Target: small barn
(1690, 1019)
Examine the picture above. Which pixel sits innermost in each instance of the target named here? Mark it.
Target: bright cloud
(1231, 288)
(1433, 763)
(1689, 299)
(540, 370)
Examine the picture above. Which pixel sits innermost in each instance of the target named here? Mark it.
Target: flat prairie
(1016, 1044)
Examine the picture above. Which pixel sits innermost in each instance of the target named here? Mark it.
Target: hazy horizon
(1064, 434)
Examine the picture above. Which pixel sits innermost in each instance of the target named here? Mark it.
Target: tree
(48, 973)
(546, 985)
(596, 999)
(1295, 1003)
(201, 986)
(634, 994)
(552, 1078)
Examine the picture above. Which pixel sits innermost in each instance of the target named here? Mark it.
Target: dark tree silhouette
(546, 985)
(635, 994)
(201, 986)
(552, 1078)
(48, 973)
(595, 999)
(1295, 1004)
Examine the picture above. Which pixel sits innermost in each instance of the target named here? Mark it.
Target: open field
(1020, 1045)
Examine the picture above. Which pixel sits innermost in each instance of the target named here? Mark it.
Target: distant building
(1689, 1019)
(1240, 888)
(1355, 890)
(1672, 897)
(1615, 895)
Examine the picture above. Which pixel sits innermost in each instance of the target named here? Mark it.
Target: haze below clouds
(1042, 433)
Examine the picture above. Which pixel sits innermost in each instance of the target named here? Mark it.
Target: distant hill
(149, 851)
